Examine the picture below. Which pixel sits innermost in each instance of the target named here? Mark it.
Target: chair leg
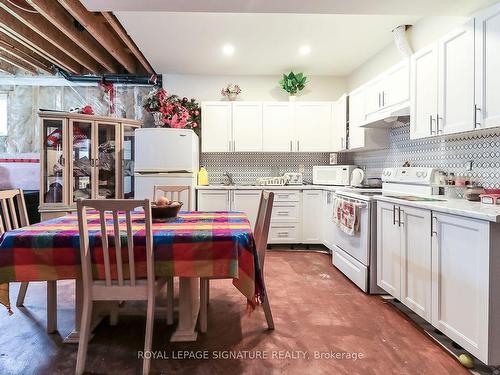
(170, 300)
(267, 311)
(51, 306)
(149, 335)
(204, 285)
(84, 336)
(113, 316)
(208, 292)
(22, 293)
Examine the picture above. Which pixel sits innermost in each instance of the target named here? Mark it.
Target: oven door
(358, 245)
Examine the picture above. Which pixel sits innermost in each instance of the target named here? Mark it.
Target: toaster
(294, 178)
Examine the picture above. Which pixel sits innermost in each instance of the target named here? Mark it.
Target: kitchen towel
(346, 216)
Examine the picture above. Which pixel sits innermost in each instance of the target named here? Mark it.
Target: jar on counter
(472, 192)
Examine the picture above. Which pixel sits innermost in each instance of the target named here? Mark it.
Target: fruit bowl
(161, 212)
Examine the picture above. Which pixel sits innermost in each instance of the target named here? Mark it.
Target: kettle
(202, 176)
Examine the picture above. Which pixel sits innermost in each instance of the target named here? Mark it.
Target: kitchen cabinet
(247, 126)
(214, 200)
(313, 126)
(216, 129)
(278, 127)
(286, 218)
(312, 206)
(461, 291)
(404, 255)
(374, 95)
(328, 224)
(83, 156)
(487, 61)
(339, 130)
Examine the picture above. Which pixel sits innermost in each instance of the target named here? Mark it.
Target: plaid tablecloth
(195, 244)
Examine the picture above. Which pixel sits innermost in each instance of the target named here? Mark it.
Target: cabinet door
(339, 131)
(313, 126)
(487, 62)
(460, 279)
(373, 95)
(396, 88)
(216, 127)
(356, 118)
(213, 200)
(106, 160)
(416, 275)
(456, 81)
(128, 157)
(54, 189)
(388, 249)
(82, 154)
(424, 86)
(328, 224)
(278, 130)
(312, 226)
(247, 201)
(247, 126)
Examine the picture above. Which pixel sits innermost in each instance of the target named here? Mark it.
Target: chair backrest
(262, 225)
(11, 218)
(117, 207)
(173, 193)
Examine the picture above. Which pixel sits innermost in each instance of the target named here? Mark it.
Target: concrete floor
(316, 311)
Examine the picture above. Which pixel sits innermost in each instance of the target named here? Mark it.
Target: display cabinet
(84, 156)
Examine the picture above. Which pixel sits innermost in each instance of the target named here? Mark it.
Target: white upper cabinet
(313, 126)
(278, 127)
(456, 81)
(424, 91)
(247, 126)
(339, 130)
(374, 95)
(397, 85)
(487, 53)
(356, 118)
(216, 127)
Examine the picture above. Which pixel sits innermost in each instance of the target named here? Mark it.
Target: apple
(162, 201)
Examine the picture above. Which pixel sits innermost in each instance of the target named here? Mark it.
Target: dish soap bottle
(202, 176)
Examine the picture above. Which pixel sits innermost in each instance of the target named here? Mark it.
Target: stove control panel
(409, 175)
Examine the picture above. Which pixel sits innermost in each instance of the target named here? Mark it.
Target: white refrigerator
(165, 156)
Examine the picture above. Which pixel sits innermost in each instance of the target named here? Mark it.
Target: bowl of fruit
(164, 208)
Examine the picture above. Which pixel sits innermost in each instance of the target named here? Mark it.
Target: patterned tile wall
(449, 155)
(247, 167)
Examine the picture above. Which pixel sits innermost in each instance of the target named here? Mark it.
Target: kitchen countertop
(260, 187)
(462, 207)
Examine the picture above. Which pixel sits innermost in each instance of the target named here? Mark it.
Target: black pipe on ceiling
(124, 79)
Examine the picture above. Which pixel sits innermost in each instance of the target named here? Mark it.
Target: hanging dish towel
(346, 216)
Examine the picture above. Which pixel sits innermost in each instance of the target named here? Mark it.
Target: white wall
(424, 32)
(265, 88)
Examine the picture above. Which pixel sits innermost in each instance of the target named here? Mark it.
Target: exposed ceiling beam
(122, 33)
(60, 18)
(7, 67)
(49, 32)
(36, 43)
(96, 25)
(5, 56)
(17, 49)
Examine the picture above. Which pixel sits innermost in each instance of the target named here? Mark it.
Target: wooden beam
(24, 53)
(13, 60)
(50, 33)
(96, 25)
(60, 18)
(122, 33)
(15, 28)
(7, 67)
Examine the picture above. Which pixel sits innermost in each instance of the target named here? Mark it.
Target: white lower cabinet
(213, 200)
(312, 204)
(328, 224)
(247, 201)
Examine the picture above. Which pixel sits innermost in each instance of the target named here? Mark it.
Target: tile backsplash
(448, 154)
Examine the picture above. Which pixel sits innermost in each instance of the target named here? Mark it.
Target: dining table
(191, 246)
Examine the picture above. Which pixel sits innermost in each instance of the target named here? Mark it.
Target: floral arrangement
(231, 91)
(173, 111)
(293, 83)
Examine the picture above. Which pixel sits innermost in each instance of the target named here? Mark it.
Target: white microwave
(339, 175)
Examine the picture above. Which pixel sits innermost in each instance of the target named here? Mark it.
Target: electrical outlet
(468, 165)
(302, 168)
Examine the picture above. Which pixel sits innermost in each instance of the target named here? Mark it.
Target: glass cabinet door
(106, 161)
(53, 189)
(81, 173)
(128, 150)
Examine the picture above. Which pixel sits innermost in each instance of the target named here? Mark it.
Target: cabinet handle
(290, 145)
(476, 124)
(379, 99)
(399, 217)
(393, 215)
(433, 227)
(282, 234)
(298, 146)
(282, 213)
(439, 131)
(383, 98)
(430, 125)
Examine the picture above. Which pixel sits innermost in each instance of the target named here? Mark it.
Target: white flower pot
(292, 98)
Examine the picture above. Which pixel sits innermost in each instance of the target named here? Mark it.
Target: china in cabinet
(84, 156)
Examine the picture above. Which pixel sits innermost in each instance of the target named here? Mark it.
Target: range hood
(386, 118)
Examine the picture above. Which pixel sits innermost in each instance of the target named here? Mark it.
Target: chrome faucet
(229, 178)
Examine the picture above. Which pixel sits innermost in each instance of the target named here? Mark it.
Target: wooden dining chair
(14, 216)
(172, 193)
(117, 286)
(261, 233)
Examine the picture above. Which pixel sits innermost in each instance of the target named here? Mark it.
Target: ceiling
(187, 36)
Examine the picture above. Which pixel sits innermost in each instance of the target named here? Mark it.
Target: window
(3, 114)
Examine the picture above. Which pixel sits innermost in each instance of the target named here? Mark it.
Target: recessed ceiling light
(228, 49)
(305, 50)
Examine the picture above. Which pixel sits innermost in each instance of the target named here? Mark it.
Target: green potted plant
(293, 83)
